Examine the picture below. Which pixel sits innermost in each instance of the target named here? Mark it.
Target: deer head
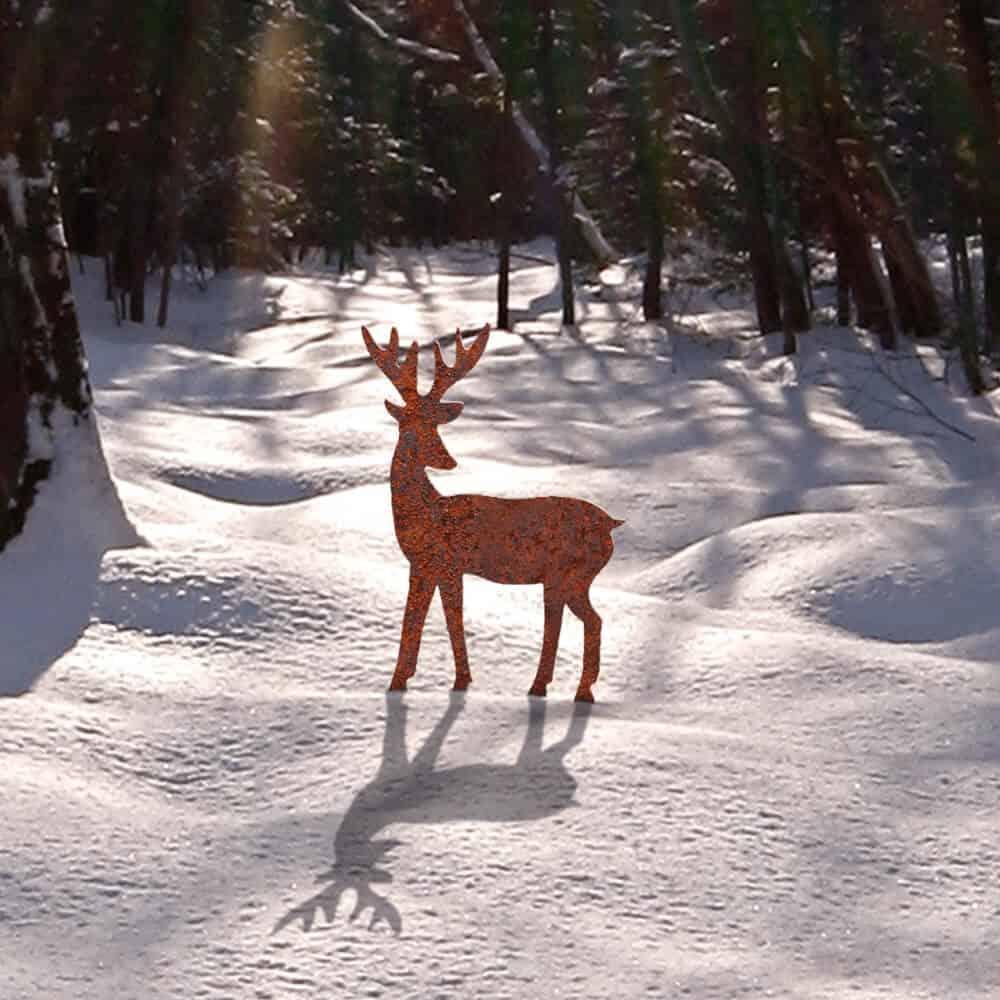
(421, 415)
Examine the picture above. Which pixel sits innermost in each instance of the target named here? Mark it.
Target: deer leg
(451, 600)
(550, 642)
(584, 610)
(417, 601)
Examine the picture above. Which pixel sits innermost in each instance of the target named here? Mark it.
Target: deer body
(559, 542)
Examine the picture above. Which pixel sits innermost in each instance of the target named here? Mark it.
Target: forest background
(782, 133)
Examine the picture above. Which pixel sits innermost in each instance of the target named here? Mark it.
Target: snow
(403, 44)
(13, 180)
(788, 784)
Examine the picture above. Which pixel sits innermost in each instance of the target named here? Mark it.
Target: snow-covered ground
(788, 786)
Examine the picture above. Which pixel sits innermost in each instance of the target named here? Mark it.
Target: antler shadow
(413, 791)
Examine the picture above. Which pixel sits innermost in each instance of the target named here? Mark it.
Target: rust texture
(558, 542)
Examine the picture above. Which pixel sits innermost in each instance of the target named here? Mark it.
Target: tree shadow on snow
(407, 790)
(46, 609)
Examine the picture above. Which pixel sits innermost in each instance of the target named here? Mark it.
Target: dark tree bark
(742, 120)
(176, 127)
(767, 296)
(44, 366)
(961, 276)
(648, 160)
(504, 208)
(863, 187)
(45, 395)
(856, 257)
(652, 294)
(905, 307)
(843, 283)
(137, 246)
(835, 26)
(748, 111)
(576, 212)
(503, 281)
(871, 62)
(913, 289)
(794, 311)
(974, 42)
(650, 202)
(561, 211)
(856, 262)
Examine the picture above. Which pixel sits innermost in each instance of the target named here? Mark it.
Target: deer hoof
(538, 690)
(461, 683)
(584, 696)
(398, 684)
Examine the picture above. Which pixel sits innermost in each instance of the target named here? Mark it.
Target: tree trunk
(805, 257)
(176, 126)
(766, 293)
(753, 193)
(843, 284)
(871, 64)
(855, 255)
(43, 374)
(652, 294)
(138, 251)
(857, 261)
(650, 198)
(794, 311)
(780, 302)
(956, 278)
(916, 298)
(835, 26)
(560, 204)
(503, 282)
(504, 207)
(968, 336)
(904, 279)
(742, 132)
(647, 159)
(905, 307)
(603, 252)
(974, 40)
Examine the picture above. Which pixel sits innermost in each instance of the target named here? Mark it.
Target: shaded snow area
(788, 786)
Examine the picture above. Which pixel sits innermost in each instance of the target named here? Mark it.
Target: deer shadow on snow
(414, 791)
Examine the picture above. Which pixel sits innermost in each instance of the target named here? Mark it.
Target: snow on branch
(403, 44)
(590, 230)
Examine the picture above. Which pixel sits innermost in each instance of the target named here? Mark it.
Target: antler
(328, 900)
(403, 377)
(465, 360)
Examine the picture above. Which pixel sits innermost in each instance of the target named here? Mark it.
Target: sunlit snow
(788, 786)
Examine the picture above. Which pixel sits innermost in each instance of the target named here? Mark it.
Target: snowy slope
(788, 786)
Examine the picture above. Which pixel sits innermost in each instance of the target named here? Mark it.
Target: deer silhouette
(414, 791)
(558, 542)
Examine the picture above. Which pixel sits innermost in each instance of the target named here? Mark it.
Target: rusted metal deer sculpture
(558, 542)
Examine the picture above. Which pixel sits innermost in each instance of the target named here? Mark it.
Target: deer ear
(396, 412)
(447, 412)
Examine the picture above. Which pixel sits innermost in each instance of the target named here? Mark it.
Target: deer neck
(414, 498)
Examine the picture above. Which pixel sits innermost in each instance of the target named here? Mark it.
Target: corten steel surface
(558, 542)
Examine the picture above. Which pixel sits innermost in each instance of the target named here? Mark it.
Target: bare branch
(590, 230)
(403, 44)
